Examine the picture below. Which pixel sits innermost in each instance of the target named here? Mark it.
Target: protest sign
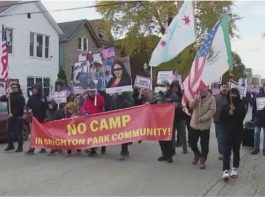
(144, 122)
(143, 82)
(260, 103)
(165, 75)
(59, 96)
(242, 90)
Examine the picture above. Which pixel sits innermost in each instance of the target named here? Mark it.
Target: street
(140, 175)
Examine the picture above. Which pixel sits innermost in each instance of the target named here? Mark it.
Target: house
(33, 43)
(78, 36)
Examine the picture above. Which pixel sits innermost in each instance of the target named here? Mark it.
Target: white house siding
(21, 64)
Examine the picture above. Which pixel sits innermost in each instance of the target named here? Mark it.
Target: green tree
(237, 70)
(62, 76)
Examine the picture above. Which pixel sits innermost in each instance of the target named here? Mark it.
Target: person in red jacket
(94, 103)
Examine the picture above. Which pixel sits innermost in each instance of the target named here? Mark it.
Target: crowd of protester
(226, 109)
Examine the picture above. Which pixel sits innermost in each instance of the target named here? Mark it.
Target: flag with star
(212, 60)
(179, 35)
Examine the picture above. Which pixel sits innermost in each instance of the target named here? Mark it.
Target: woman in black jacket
(232, 116)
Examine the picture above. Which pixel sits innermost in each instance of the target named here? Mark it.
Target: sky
(250, 46)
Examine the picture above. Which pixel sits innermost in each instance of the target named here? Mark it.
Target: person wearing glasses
(15, 120)
(120, 76)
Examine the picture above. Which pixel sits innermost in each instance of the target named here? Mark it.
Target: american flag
(193, 82)
(4, 60)
(108, 53)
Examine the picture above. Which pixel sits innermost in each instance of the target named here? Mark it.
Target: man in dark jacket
(15, 120)
(258, 116)
(38, 105)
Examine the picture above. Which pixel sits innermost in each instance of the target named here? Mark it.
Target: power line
(60, 10)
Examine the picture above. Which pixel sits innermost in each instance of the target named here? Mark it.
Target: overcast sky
(250, 46)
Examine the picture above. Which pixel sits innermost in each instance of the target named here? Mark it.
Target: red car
(3, 122)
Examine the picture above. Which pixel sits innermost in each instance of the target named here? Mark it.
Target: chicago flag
(178, 36)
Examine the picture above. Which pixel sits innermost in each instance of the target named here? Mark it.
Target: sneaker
(196, 159)
(202, 163)
(220, 157)
(9, 148)
(225, 175)
(18, 150)
(162, 158)
(42, 151)
(233, 173)
(254, 152)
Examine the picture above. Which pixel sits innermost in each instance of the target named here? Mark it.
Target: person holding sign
(120, 76)
(258, 116)
(232, 117)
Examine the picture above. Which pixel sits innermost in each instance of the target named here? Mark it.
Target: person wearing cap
(38, 105)
(15, 119)
(258, 116)
(203, 107)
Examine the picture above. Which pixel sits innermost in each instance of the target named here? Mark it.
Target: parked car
(3, 122)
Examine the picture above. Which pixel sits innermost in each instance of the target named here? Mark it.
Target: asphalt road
(140, 175)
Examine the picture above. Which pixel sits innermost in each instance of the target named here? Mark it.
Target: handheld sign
(59, 96)
(242, 90)
(143, 82)
(260, 103)
(164, 75)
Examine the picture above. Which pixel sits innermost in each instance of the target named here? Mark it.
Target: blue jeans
(219, 131)
(257, 138)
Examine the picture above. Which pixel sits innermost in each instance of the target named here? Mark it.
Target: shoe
(170, 160)
(202, 163)
(92, 153)
(185, 151)
(103, 150)
(162, 158)
(9, 148)
(233, 173)
(29, 152)
(51, 153)
(255, 152)
(225, 175)
(42, 151)
(18, 150)
(264, 152)
(196, 159)
(220, 157)
(124, 156)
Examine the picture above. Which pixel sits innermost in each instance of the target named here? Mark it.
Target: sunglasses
(117, 69)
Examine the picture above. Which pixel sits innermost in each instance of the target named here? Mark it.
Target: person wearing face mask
(232, 117)
(258, 116)
(203, 107)
(220, 100)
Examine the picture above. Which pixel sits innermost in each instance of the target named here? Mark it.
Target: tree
(237, 70)
(61, 75)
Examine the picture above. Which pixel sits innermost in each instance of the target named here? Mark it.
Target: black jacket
(38, 105)
(53, 114)
(120, 101)
(233, 124)
(17, 103)
(258, 116)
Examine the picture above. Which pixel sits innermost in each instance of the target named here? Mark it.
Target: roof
(5, 5)
(71, 28)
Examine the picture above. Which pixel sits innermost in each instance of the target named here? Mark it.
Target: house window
(82, 44)
(31, 44)
(43, 82)
(39, 45)
(9, 38)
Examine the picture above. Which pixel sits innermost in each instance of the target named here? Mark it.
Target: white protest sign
(158, 89)
(143, 82)
(242, 90)
(164, 75)
(59, 96)
(260, 103)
